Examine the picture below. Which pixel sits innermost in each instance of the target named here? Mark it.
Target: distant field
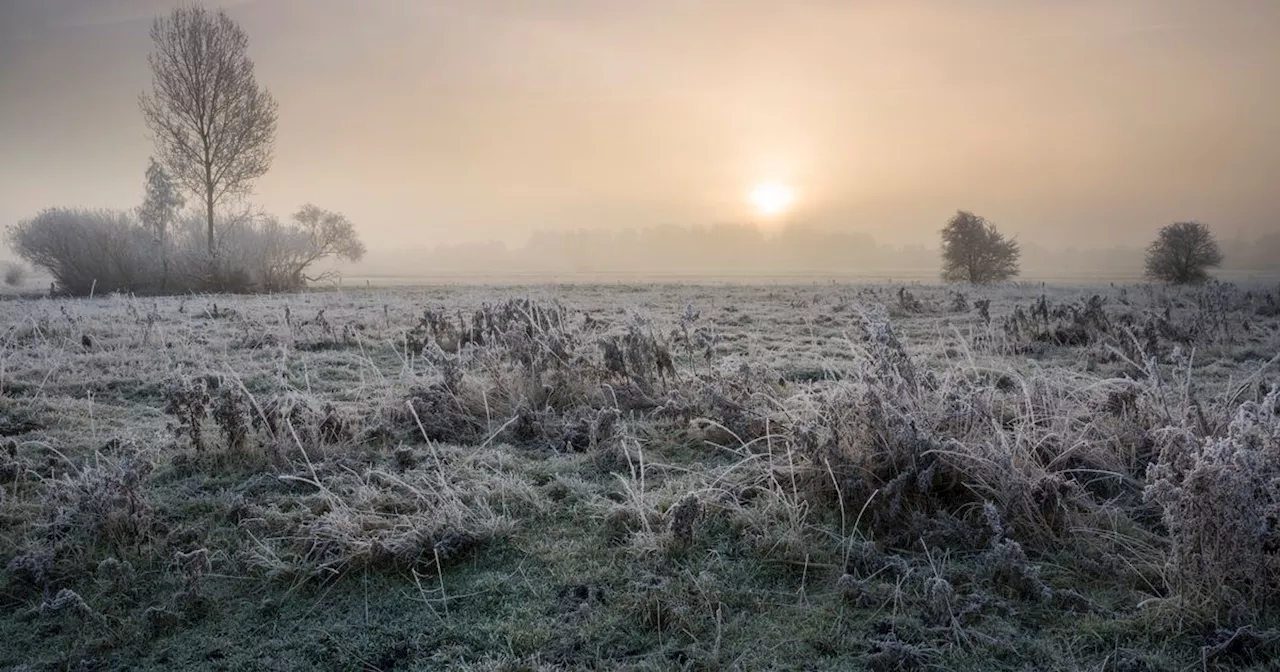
(37, 282)
(804, 473)
(918, 275)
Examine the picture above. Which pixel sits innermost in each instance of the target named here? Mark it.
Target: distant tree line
(742, 250)
(724, 249)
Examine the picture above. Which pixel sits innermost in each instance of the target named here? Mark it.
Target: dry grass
(888, 476)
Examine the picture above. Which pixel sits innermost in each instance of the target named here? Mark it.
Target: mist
(499, 132)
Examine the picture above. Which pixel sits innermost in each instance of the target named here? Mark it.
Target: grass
(643, 477)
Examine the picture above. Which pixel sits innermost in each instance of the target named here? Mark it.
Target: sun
(771, 198)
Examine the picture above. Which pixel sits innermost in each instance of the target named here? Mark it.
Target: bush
(104, 251)
(86, 250)
(15, 274)
(1220, 497)
(1183, 253)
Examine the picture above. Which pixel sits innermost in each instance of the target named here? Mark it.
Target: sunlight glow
(771, 198)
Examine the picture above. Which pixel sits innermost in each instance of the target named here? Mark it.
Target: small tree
(974, 251)
(287, 251)
(1183, 253)
(157, 212)
(212, 124)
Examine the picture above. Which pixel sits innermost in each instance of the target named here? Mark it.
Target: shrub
(1221, 503)
(1183, 253)
(87, 250)
(103, 251)
(15, 274)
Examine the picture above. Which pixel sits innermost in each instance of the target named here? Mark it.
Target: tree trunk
(208, 200)
(214, 276)
(164, 261)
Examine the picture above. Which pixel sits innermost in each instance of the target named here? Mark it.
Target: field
(826, 476)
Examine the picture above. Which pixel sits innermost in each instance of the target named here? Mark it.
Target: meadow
(644, 476)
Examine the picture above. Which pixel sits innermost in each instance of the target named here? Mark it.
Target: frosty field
(824, 476)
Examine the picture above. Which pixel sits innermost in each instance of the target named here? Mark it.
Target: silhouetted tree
(1183, 253)
(974, 251)
(212, 124)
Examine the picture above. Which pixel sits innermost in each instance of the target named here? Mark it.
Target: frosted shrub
(15, 274)
(1221, 502)
(87, 250)
(99, 251)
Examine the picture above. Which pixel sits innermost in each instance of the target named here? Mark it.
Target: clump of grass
(416, 520)
(889, 652)
(287, 419)
(939, 601)
(79, 516)
(32, 569)
(10, 468)
(188, 401)
(67, 601)
(193, 566)
(1067, 324)
(908, 302)
(117, 579)
(1006, 565)
(682, 517)
(233, 415)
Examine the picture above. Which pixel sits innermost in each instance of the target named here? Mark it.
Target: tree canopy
(974, 251)
(1182, 253)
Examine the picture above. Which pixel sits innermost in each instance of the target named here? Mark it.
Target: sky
(1090, 122)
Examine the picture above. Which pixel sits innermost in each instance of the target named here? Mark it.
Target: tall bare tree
(974, 251)
(213, 126)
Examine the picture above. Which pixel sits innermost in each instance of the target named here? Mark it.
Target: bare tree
(212, 124)
(287, 251)
(1183, 253)
(325, 234)
(157, 212)
(974, 251)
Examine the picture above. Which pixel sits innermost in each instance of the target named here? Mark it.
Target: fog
(587, 135)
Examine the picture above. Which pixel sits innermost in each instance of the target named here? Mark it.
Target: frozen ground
(896, 476)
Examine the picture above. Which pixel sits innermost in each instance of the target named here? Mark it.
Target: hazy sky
(444, 121)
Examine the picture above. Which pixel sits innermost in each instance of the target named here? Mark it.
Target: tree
(157, 212)
(974, 251)
(317, 234)
(212, 124)
(1183, 253)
